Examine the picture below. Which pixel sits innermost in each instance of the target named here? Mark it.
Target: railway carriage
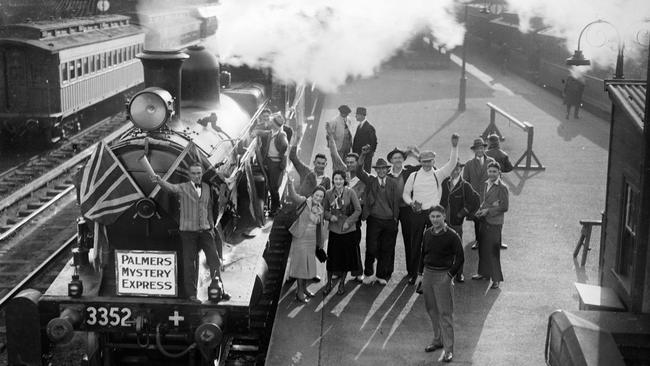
(121, 293)
(51, 71)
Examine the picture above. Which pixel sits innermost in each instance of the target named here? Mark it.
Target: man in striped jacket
(196, 229)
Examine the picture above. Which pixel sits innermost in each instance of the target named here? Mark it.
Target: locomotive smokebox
(163, 69)
(200, 76)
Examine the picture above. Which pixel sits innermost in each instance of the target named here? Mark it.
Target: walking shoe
(412, 280)
(460, 278)
(382, 281)
(316, 279)
(447, 356)
(474, 245)
(358, 278)
(495, 285)
(504, 246)
(477, 277)
(432, 347)
(369, 280)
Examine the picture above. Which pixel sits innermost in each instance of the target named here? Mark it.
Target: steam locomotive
(121, 289)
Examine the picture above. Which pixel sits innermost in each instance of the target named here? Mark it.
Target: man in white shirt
(422, 191)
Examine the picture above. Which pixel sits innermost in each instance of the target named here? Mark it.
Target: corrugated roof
(630, 96)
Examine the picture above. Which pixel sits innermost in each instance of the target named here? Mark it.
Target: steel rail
(37, 271)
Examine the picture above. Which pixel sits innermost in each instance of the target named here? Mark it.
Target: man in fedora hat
(339, 128)
(459, 200)
(401, 173)
(381, 210)
(475, 173)
(364, 135)
(422, 192)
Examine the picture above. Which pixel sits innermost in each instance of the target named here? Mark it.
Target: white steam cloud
(325, 41)
(631, 18)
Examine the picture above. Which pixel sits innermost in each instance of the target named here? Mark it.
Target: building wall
(625, 158)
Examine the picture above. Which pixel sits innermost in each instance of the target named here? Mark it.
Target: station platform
(375, 325)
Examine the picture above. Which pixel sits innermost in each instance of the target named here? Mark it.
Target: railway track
(45, 180)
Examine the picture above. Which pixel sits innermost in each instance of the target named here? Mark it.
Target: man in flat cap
(475, 173)
(422, 192)
(459, 200)
(339, 128)
(381, 211)
(364, 135)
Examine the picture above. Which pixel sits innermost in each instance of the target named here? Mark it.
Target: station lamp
(578, 59)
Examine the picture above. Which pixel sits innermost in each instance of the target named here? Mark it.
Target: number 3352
(108, 316)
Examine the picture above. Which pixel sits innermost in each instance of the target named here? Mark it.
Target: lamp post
(578, 59)
(463, 77)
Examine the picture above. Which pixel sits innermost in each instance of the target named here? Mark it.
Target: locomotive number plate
(108, 316)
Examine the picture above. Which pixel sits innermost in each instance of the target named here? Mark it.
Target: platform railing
(529, 154)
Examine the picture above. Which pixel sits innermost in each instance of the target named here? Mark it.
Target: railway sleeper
(4, 228)
(11, 221)
(52, 193)
(34, 205)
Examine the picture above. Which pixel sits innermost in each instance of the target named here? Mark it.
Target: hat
(459, 163)
(381, 163)
(361, 110)
(278, 120)
(427, 155)
(478, 142)
(493, 138)
(344, 109)
(395, 151)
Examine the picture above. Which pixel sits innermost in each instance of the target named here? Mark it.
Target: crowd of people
(427, 204)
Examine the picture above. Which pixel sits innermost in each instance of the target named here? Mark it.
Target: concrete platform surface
(374, 325)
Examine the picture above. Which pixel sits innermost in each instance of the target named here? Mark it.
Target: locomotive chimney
(163, 69)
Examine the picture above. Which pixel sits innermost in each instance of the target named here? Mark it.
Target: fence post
(492, 127)
(529, 154)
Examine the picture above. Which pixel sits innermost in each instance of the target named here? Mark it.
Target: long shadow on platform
(522, 177)
(449, 121)
(473, 303)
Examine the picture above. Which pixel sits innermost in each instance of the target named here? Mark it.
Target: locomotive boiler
(121, 291)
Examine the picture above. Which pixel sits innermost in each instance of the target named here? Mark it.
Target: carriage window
(103, 57)
(627, 242)
(64, 71)
(114, 53)
(72, 69)
(79, 68)
(109, 59)
(98, 64)
(85, 63)
(91, 62)
(119, 56)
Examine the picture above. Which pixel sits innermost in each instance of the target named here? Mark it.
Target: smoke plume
(326, 41)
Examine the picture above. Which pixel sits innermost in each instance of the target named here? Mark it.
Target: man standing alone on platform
(475, 173)
(381, 210)
(340, 131)
(459, 199)
(197, 206)
(440, 260)
(422, 192)
(364, 135)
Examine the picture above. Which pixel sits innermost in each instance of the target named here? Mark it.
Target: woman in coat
(304, 238)
(494, 203)
(342, 209)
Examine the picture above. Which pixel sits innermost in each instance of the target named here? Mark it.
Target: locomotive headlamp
(151, 108)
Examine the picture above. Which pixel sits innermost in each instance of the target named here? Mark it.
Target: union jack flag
(107, 189)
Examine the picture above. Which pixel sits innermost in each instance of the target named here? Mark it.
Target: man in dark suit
(274, 152)
(494, 151)
(365, 135)
(459, 200)
(475, 173)
(381, 210)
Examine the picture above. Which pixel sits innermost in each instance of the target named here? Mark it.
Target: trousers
(274, 170)
(439, 302)
(459, 230)
(193, 241)
(419, 222)
(380, 244)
